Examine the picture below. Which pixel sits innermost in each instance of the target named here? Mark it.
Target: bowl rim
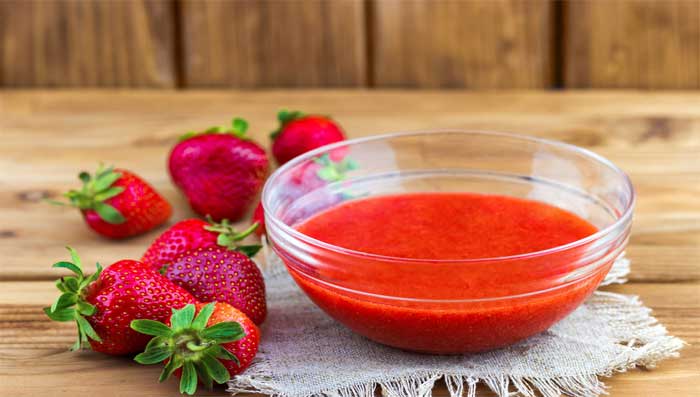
(624, 218)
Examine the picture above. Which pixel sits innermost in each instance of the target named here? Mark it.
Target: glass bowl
(526, 293)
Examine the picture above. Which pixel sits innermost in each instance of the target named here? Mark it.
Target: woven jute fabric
(305, 353)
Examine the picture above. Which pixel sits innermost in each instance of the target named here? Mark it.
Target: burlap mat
(306, 353)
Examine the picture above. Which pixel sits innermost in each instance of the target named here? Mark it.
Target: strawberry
(191, 234)
(104, 303)
(299, 133)
(259, 219)
(217, 274)
(118, 204)
(213, 346)
(312, 176)
(219, 170)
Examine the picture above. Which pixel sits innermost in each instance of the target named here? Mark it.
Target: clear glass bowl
(527, 293)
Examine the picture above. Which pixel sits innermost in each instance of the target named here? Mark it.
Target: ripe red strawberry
(219, 170)
(217, 274)
(213, 346)
(118, 204)
(298, 133)
(259, 219)
(191, 234)
(104, 303)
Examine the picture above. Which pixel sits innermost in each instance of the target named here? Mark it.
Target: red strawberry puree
(424, 298)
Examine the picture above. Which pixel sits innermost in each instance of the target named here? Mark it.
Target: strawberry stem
(71, 304)
(238, 128)
(189, 344)
(229, 237)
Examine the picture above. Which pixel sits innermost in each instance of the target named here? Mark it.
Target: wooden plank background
(471, 44)
(474, 44)
(87, 43)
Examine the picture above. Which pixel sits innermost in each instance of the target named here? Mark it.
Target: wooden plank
(32, 346)
(632, 44)
(49, 136)
(273, 43)
(87, 43)
(462, 43)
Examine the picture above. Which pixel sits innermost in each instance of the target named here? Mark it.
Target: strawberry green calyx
(95, 191)
(332, 171)
(229, 238)
(189, 344)
(71, 304)
(285, 116)
(238, 129)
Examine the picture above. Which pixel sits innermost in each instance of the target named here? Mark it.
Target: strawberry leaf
(76, 259)
(108, 213)
(222, 353)
(239, 126)
(203, 375)
(188, 382)
(71, 304)
(70, 266)
(154, 355)
(71, 284)
(67, 299)
(157, 342)
(215, 369)
(182, 318)
(151, 327)
(105, 180)
(109, 193)
(224, 332)
(85, 308)
(85, 327)
(170, 367)
(65, 314)
(91, 278)
(200, 322)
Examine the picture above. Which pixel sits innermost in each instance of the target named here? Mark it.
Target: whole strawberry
(192, 234)
(215, 273)
(104, 303)
(259, 219)
(118, 204)
(219, 170)
(213, 346)
(298, 133)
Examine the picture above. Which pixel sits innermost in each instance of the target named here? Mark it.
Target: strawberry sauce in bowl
(448, 241)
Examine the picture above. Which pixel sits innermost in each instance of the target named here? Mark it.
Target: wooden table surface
(48, 136)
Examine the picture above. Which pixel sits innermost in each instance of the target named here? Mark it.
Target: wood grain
(648, 44)
(86, 43)
(655, 138)
(49, 136)
(32, 346)
(273, 43)
(467, 43)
